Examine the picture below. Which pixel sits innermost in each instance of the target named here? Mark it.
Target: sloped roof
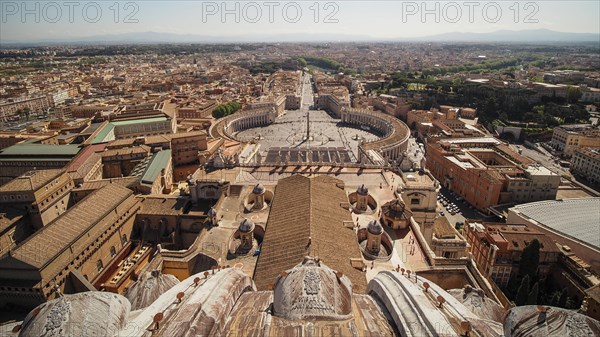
(31, 181)
(97, 184)
(138, 121)
(578, 218)
(308, 210)
(163, 205)
(44, 150)
(85, 217)
(101, 135)
(126, 151)
(84, 161)
(159, 161)
(442, 228)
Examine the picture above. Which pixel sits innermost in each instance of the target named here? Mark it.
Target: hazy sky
(377, 19)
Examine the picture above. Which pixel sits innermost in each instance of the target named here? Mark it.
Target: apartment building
(34, 104)
(568, 138)
(196, 111)
(496, 248)
(44, 194)
(186, 147)
(586, 163)
(72, 252)
(590, 94)
(485, 172)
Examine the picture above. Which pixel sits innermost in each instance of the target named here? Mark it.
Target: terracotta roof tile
(31, 180)
(93, 215)
(308, 208)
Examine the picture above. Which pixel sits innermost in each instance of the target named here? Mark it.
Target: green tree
(573, 94)
(26, 111)
(219, 112)
(530, 259)
(554, 297)
(562, 300)
(226, 109)
(523, 292)
(302, 62)
(539, 109)
(532, 299)
(491, 107)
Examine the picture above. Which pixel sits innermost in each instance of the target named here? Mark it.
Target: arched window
(113, 251)
(99, 265)
(124, 239)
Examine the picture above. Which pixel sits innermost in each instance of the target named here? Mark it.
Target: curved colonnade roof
(398, 133)
(399, 130)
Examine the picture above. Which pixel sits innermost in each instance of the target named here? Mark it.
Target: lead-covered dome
(258, 189)
(362, 190)
(374, 227)
(246, 226)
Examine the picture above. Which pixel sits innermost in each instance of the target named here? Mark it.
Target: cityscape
(255, 181)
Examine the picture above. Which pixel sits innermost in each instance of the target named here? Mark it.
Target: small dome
(258, 189)
(67, 315)
(246, 226)
(362, 190)
(374, 227)
(212, 212)
(397, 205)
(396, 209)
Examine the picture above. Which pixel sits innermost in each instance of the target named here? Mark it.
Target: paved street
(308, 98)
(545, 159)
(464, 210)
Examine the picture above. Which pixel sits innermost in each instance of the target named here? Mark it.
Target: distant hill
(536, 35)
(532, 35)
(157, 37)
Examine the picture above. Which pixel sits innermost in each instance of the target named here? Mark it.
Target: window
(414, 201)
(113, 251)
(99, 265)
(124, 239)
